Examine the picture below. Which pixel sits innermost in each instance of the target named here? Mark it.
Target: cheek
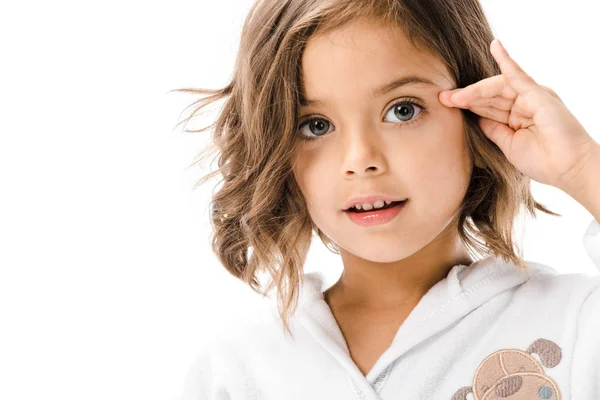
(300, 174)
(442, 162)
(312, 180)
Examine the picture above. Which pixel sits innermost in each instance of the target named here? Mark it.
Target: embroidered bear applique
(514, 374)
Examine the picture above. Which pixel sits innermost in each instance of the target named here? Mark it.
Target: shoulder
(545, 277)
(554, 293)
(586, 352)
(225, 338)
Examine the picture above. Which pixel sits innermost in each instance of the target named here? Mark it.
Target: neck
(371, 285)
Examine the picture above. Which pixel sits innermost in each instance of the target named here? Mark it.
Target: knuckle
(552, 92)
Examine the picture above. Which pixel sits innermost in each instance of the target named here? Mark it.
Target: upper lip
(369, 199)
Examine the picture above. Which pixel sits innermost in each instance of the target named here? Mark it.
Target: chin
(381, 253)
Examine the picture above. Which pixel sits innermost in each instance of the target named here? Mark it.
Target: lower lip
(376, 217)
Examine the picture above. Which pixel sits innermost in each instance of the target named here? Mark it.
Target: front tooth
(369, 206)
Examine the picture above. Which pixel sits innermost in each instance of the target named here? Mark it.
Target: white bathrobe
(486, 331)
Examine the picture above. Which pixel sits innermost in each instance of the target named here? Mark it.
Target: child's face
(365, 149)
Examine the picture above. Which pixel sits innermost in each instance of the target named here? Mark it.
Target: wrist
(585, 189)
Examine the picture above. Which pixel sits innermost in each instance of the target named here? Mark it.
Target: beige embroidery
(515, 375)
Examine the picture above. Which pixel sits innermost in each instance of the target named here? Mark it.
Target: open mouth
(391, 205)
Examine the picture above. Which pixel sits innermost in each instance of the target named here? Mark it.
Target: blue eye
(404, 111)
(319, 125)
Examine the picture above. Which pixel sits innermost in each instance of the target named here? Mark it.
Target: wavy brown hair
(259, 216)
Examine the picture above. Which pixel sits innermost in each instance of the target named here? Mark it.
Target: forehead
(363, 56)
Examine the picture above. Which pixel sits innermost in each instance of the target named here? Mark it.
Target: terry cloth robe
(486, 331)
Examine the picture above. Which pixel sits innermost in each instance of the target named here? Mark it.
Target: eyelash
(405, 101)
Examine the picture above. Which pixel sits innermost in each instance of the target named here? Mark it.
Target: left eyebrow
(381, 90)
(405, 80)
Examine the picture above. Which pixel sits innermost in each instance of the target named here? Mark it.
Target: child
(340, 120)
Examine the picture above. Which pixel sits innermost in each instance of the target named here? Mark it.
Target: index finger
(487, 88)
(517, 77)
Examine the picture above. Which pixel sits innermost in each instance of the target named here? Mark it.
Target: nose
(363, 154)
(371, 170)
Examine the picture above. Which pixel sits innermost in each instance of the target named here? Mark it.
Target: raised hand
(529, 123)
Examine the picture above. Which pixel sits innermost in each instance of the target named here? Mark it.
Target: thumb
(497, 132)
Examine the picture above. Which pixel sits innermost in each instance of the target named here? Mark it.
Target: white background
(107, 280)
